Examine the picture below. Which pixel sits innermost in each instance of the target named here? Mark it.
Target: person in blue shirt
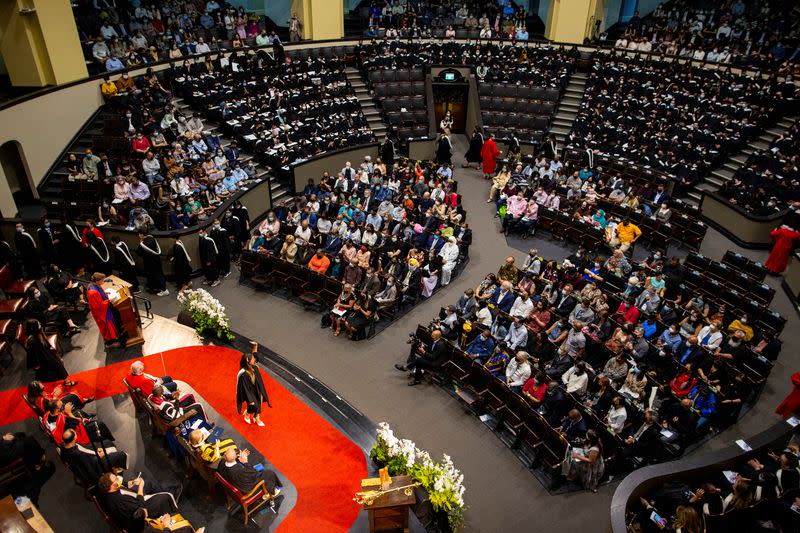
(585, 173)
(445, 171)
(649, 327)
(522, 34)
(481, 347)
(113, 63)
(230, 183)
(238, 173)
(372, 32)
(703, 404)
(359, 217)
(375, 220)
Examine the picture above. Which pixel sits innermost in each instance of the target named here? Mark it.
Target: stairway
(278, 190)
(568, 108)
(371, 112)
(724, 173)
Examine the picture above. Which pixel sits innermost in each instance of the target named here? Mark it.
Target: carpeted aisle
(323, 464)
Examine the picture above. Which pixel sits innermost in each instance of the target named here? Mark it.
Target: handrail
(351, 41)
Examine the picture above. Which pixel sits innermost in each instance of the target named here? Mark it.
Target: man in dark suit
(464, 237)
(641, 440)
(435, 242)
(573, 427)
(661, 196)
(503, 297)
(554, 403)
(565, 301)
(421, 358)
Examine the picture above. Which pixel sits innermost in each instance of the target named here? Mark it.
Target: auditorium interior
(399, 265)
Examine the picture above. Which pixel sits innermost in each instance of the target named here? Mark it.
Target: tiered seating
(400, 93)
(511, 110)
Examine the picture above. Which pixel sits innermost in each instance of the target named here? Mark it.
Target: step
(715, 181)
(722, 174)
(361, 90)
(695, 195)
(281, 194)
(733, 167)
(357, 84)
(562, 122)
(364, 98)
(741, 159)
(760, 145)
(692, 200)
(748, 151)
(776, 132)
(572, 93)
(559, 131)
(575, 100)
(786, 123)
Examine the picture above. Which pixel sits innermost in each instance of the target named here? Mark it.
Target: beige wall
(750, 231)
(332, 163)
(568, 19)
(321, 19)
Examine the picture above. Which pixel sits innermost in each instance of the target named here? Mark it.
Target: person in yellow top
(108, 88)
(209, 453)
(740, 324)
(627, 234)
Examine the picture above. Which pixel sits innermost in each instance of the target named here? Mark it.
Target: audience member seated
(235, 470)
(14, 446)
(124, 502)
(90, 462)
(137, 379)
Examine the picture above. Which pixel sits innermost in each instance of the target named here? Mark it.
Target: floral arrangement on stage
(442, 480)
(206, 312)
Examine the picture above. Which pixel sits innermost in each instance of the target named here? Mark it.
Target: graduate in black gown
(387, 152)
(28, 251)
(222, 238)
(151, 255)
(473, 154)
(123, 501)
(234, 469)
(250, 388)
(444, 150)
(208, 257)
(70, 247)
(181, 264)
(48, 240)
(126, 265)
(99, 256)
(233, 226)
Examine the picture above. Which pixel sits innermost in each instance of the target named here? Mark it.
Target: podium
(389, 511)
(121, 298)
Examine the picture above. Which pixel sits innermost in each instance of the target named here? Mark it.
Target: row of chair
(382, 76)
(518, 105)
(519, 122)
(524, 92)
(414, 103)
(407, 88)
(723, 274)
(754, 269)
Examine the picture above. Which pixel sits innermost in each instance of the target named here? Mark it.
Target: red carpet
(324, 465)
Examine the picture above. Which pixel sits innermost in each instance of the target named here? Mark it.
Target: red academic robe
(81, 437)
(489, 154)
(791, 404)
(785, 240)
(100, 306)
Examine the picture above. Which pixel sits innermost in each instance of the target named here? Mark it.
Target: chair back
(229, 488)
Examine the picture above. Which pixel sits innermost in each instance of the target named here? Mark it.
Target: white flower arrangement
(206, 311)
(443, 481)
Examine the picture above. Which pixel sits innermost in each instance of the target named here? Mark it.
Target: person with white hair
(138, 379)
(449, 255)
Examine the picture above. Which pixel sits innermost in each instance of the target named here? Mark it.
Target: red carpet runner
(324, 465)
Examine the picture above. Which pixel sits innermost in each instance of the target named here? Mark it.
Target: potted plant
(207, 314)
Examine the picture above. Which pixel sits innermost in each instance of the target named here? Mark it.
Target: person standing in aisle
(250, 388)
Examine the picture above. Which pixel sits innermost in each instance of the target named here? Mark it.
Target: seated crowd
(737, 32)
(402, 18)
(612, 346)
(769, 181)
(389, 234)
(283, 109)
(175, 171)
(87, 449)
(763, 489)
(539, 66)
(117, 36)
(674, 117)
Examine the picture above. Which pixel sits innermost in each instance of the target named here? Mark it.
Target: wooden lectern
(388, 511)
(119, 293)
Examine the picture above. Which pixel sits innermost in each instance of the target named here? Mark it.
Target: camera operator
(421, 358)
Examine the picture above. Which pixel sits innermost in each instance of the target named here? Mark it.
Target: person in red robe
(791, 404)
(785, 239)
(101, 309)
(489, 155)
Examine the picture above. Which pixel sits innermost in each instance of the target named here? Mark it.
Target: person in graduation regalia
(98, 254)
(387, 152)
(42, 357)
(70, 249)
(124, 501)
(181, 264)
(786, 239)
(444, 150)
(473, 154)
(126, 265)
(489, 155)
(151, 255)
(222, 239)
(27, 249)
(233, 226)
(48, 241)
(208, 257)
(102, 310)
(88, 462)
(250, 389)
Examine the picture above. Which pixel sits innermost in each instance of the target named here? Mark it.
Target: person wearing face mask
(222, 239)
(27, 248)
(41, 308)
(150, 252)
(710, 337)
(270, 223)
(741, 324)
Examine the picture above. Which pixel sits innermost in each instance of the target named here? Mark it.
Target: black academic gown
(181, 265)
(70, 248)
(150, 252)
(26, 247)
(233, 226)
(473, 154)
(244, 477)
(250, 392)
(100, 256)
(221, 237)
(48, 364)
(126, 265)
(444, 151)
(84, 462)
(387, 153)
(122, 505)
(208, 256)
(47, 240)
